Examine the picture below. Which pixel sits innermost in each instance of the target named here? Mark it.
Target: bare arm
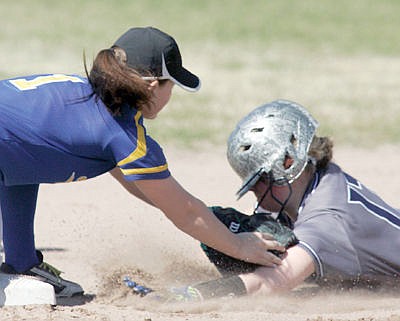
(129, 186)
(193, 217)
(295, 268)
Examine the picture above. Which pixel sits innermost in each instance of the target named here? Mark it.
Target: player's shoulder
(326, 193)
(30, 83)
(332, 176)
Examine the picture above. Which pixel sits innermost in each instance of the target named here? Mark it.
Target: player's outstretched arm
(129, 186)
(194, 218)
(295, 268)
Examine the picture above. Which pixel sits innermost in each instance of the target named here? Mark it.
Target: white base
(25, 290)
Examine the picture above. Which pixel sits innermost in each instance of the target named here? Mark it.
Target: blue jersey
(52, 129)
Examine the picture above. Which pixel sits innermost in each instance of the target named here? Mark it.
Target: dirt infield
(96, 233)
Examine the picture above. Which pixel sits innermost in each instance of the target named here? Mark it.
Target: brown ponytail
(115, 83)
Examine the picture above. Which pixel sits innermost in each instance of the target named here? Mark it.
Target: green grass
(340, 25)
(341, 58)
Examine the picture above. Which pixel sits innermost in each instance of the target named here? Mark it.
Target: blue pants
(18, 205)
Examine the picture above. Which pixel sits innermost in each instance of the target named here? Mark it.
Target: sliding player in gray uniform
(343, 226)
(347, 234)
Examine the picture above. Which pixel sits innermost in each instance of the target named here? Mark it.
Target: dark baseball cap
(149, 50)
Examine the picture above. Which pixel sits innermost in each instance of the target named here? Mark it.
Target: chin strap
(283, 204)
(265, 194)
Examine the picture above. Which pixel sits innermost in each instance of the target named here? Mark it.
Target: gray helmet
(264, 139)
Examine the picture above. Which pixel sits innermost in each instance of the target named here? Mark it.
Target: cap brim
(181, 76)
(243, 190)
(249, 183)
(185, 79)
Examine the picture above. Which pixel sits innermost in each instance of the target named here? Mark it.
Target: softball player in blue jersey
(348, 236)
(64, 128)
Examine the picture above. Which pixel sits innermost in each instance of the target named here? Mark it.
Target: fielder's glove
(237, 223)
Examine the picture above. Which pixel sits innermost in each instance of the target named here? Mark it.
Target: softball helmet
(273, 139)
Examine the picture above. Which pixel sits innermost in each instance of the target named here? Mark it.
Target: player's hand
(254, 248)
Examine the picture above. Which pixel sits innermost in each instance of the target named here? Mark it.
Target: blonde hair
(321, 150)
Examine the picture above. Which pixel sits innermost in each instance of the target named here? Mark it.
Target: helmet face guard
(273, 139)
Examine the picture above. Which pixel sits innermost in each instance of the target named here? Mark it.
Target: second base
(25, 290)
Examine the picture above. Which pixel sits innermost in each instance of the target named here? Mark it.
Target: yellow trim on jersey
(141, 148)
(149, 170)
(24, 84)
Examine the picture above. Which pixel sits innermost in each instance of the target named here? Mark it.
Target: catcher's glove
(237, 223)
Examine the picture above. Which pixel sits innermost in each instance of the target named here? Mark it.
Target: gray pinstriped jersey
(351, 233)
